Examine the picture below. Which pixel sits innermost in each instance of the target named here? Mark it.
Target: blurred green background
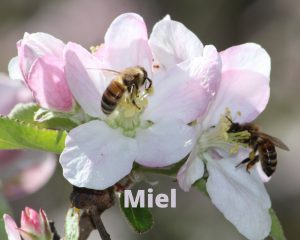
(272, 23)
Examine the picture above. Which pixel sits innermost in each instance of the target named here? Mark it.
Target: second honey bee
(130, 80)
(262, 145)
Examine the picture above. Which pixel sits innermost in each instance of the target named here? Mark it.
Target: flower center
(127, 115)
(219, 137)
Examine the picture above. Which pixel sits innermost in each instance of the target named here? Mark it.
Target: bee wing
(277, 142)
(108, 73)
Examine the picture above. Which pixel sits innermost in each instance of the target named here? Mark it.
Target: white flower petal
(11, 228)
(85, 78)
(172, 43)
(126, 43)
(191, 171)
(164, 143)
(248, 56)
(261, 173)
(14, 70)
(185, 91)
(240, 196)
(97, 156)
(244, 93)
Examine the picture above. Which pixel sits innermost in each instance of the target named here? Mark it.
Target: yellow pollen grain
(94, 49)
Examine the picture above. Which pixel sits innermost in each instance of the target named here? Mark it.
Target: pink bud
(34, 225)
(30, 221)
(40, 64)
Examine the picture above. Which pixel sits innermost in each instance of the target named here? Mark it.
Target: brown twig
(53, 230)
(86, 226)
(100, 226)
(92, 203)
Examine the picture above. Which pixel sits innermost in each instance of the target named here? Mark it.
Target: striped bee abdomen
(268, 157)
(112, 96)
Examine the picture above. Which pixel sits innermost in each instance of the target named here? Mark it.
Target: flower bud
(34, 225)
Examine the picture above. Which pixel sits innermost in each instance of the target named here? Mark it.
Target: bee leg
(134, 103)
(250, 158)
(133, 93)
(252, 163)
(243, 162)
(150, 84)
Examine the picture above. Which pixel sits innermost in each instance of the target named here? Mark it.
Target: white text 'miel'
(148, 200)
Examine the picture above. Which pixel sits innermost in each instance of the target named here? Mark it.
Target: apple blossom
(34, 225)
(21, 171)
(101, 152)
(242, 95)
(40, 64)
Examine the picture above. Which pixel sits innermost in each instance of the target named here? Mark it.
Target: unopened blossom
(40, 64)
(34, 225)
(242, 95)
(21, 171)
(101, 152)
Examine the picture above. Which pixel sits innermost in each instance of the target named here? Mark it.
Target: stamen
(94, 49)
(218, 136)
(127, 114)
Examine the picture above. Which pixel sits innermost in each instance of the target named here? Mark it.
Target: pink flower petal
(185, 91)
(249, 56)
(85, 78)
(11, 228)
(97, 156)
(164, 143)
(191, 171)
(244, 93)
(30, 221)
(126, 43)
(240, 196)
(37, 45)
(47, 81)
(172, 43)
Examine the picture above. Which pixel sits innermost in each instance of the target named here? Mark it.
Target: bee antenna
(229, 119)
(104, 69)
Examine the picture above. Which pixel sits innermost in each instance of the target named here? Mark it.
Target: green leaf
(26, 112)
(15, 134)
(201, 186)
(72, 225)
(276, 229)
(4, 208)
(139, 218)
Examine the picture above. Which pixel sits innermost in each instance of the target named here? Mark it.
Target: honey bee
(129, 80)
(260, 143)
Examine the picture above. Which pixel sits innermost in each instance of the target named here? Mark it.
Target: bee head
(144, 78)
(234, 127)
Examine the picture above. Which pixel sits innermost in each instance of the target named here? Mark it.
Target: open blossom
(242, 95)
(101, 152)
(21, 171)
(40, 64)
(34, 225)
